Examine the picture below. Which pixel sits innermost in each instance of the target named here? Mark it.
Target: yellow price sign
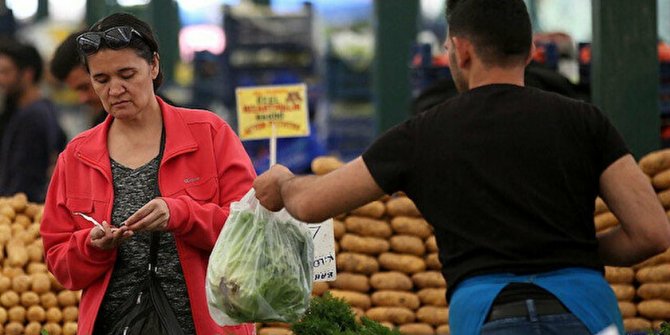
(285, 106)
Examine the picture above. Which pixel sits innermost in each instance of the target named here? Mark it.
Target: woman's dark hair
(144, 47)
(500, 30)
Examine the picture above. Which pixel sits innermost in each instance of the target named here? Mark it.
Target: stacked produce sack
(31, 300)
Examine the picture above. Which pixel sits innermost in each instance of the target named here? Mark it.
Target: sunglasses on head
(114, 38)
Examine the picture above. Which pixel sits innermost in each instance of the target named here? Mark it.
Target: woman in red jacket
(150, 167)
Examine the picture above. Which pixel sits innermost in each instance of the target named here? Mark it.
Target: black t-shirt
(507, 176)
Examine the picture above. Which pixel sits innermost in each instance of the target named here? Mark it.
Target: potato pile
(30, 297)
(643, 291)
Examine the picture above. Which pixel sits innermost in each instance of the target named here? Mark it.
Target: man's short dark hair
(25, 56)
(500, 30)
(66, 58)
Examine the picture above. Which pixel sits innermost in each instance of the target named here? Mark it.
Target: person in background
(67, 67)
(30, 135)
(508, 176)
(149, 167)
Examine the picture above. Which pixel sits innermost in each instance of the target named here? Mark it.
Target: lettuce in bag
(261, 267)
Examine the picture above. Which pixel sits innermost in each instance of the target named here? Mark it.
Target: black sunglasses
(114, 38)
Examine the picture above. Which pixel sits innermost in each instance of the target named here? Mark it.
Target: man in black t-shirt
(507, 176)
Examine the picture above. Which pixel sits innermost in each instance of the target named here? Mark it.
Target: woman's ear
(155, 65)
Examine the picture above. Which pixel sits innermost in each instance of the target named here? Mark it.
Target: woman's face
(123, 81)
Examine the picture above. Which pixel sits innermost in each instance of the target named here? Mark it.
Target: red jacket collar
(178, 137)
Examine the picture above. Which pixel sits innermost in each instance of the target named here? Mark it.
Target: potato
(403, 263)
(48, 300)
(367, 227)
(654, 274)
(623, 292)
(664, 198)
(355, 299)
(55, 285)
(9, 299)
(661, 258)
(36, 313)
(654, 309)
(636, 324)
(32, 210)
(319, 287)
(351, 282)
(5, 233)
(19, 202)
(375, 210)
(656, 324)
(600, 206)
(70, 313)
(54, 314)
(338, 229)
(29, 298)
(8, 212)
(3, 315)
(70, 328)
(34, 231)
(33, 328)
(442, 330)
(628, 309)
(53, 328)
(35, 253)
(429, 279)
(408, 244)
(357, 263)
(275, 331)
(618, 275)
(41, 283)
(395, 299)
(395, 315)
(655, 162)
(650, 291)
(23, 220)
(66, 298)
(433, 315)
(278, 324)
(431, 244)
(433, 262)
(16, 229)
(17, 314)
(402, 206)
(416, 329)
(21, 283)
(364, 245)
(358, 313)
(15, 328)
(411, 226)
(433, 296)
(661, 181)
(5, 284)
(391, 281)
(605, 220)
(325, 164)
(11, 272)
(16, 253)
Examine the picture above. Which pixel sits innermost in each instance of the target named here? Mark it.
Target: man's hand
(153, 216)
(268, 187)
(109, 238)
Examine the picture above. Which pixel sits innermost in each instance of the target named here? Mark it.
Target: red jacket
(204, 168)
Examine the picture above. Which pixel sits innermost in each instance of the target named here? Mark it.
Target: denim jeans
(533, 324)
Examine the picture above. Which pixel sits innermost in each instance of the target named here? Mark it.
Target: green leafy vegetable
(263, 270)
(330, 316)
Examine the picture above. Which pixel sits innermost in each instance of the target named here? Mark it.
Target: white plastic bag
(261, 267)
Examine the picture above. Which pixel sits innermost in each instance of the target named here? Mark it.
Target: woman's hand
(109, 238)
(153, 216)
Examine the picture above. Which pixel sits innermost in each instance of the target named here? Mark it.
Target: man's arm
(317, 198)
(644, 229)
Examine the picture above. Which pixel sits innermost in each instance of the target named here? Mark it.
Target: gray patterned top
(132, 190)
